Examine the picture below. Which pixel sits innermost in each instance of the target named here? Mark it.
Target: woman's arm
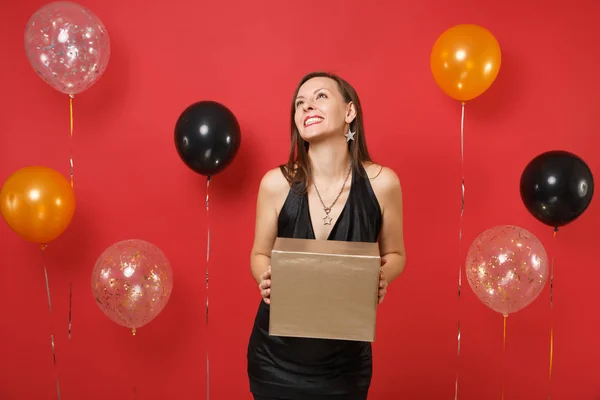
(272, 187)
(391, 240)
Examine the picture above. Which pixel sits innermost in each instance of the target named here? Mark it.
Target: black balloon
(207, 137)
(556, 187)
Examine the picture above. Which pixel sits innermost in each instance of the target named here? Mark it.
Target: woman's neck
(329, 161)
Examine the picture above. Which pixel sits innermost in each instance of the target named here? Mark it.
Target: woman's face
(321, 110)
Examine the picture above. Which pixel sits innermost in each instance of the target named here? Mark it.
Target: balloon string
(72, 185)
(462, 186)
(462, 137)
(552, 268)
(43, 248)
(551, 313)
(71, 151)
(207, 263)
(458, 355)
(504, 356)
(70, 308)
(460, 235)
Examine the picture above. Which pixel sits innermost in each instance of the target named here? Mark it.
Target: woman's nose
(308, 106)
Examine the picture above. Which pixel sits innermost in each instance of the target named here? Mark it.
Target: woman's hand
(382, 282)
(265, 285)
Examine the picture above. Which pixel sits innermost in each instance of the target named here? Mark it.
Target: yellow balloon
(38, 203)
(465, 61)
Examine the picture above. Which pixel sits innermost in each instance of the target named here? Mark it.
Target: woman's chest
(325, 211)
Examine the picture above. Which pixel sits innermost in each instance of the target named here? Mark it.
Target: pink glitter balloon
(67, 45)
(507, 268)
(132, 282)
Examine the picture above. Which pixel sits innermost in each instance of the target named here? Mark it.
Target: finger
(264, 284)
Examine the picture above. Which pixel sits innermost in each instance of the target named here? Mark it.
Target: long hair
(297, 171)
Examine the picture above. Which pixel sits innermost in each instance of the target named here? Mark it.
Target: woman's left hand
(382, 282)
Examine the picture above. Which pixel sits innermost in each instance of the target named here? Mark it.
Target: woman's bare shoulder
(386, 186)
(382, 177)
(274, 183)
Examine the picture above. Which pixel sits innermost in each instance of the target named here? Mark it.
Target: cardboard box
(324, 289)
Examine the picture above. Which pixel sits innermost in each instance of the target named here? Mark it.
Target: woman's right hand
(265, 285)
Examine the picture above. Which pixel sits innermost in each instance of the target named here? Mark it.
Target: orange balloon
(38, 203)
(465, 61)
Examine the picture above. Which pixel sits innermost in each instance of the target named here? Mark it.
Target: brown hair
(297, 170)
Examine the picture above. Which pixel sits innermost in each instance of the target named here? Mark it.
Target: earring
(349, 135)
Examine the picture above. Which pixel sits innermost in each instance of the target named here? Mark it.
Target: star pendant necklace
(327, 219)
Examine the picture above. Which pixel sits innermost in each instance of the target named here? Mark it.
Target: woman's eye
(321, 95)
(298, 103)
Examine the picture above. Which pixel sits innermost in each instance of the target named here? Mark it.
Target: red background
(130, 183)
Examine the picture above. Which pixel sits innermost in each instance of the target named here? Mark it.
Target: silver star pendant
(349, 135)
(327, 220)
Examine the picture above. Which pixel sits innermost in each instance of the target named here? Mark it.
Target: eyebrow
(301, 97)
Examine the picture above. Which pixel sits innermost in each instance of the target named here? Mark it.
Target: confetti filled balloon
(507, 268)
(67, 45)
(132, 282)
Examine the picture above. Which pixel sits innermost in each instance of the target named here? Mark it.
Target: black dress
(316, 369)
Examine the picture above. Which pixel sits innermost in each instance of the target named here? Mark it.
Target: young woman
(329, 189)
